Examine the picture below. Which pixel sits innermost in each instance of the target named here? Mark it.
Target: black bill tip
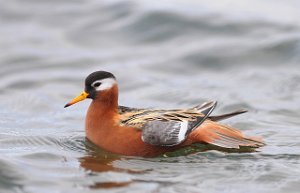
(67, 105)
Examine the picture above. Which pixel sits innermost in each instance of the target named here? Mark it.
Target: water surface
(166, 54)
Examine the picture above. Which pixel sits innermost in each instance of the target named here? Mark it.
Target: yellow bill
(77, 99)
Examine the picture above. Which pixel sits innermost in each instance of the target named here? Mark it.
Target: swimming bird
(152, 132)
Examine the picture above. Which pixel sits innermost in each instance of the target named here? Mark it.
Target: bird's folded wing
(165, 127)
(139, 117)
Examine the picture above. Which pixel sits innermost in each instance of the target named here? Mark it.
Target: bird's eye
(97, 84)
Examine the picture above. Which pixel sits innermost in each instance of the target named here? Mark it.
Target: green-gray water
(167, 54)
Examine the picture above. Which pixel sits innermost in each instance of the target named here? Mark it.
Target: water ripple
(165, 54)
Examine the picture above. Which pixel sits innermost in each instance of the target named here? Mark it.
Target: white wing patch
(183, 130)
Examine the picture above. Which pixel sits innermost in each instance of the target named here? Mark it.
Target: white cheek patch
(105, 84)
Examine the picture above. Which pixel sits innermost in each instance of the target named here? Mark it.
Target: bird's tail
(227, 115)
(224, 136)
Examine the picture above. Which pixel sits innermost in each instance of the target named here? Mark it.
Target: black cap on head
(98, 75)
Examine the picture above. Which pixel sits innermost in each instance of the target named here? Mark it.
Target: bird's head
(95, 83)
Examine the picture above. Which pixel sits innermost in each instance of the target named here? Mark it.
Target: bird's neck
(102, 113)
(106, 100)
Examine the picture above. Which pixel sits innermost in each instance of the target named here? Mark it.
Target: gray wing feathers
(162, 132)
(170, 133)
(206, 109)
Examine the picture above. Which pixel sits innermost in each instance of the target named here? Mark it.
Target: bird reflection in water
(99, 161)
